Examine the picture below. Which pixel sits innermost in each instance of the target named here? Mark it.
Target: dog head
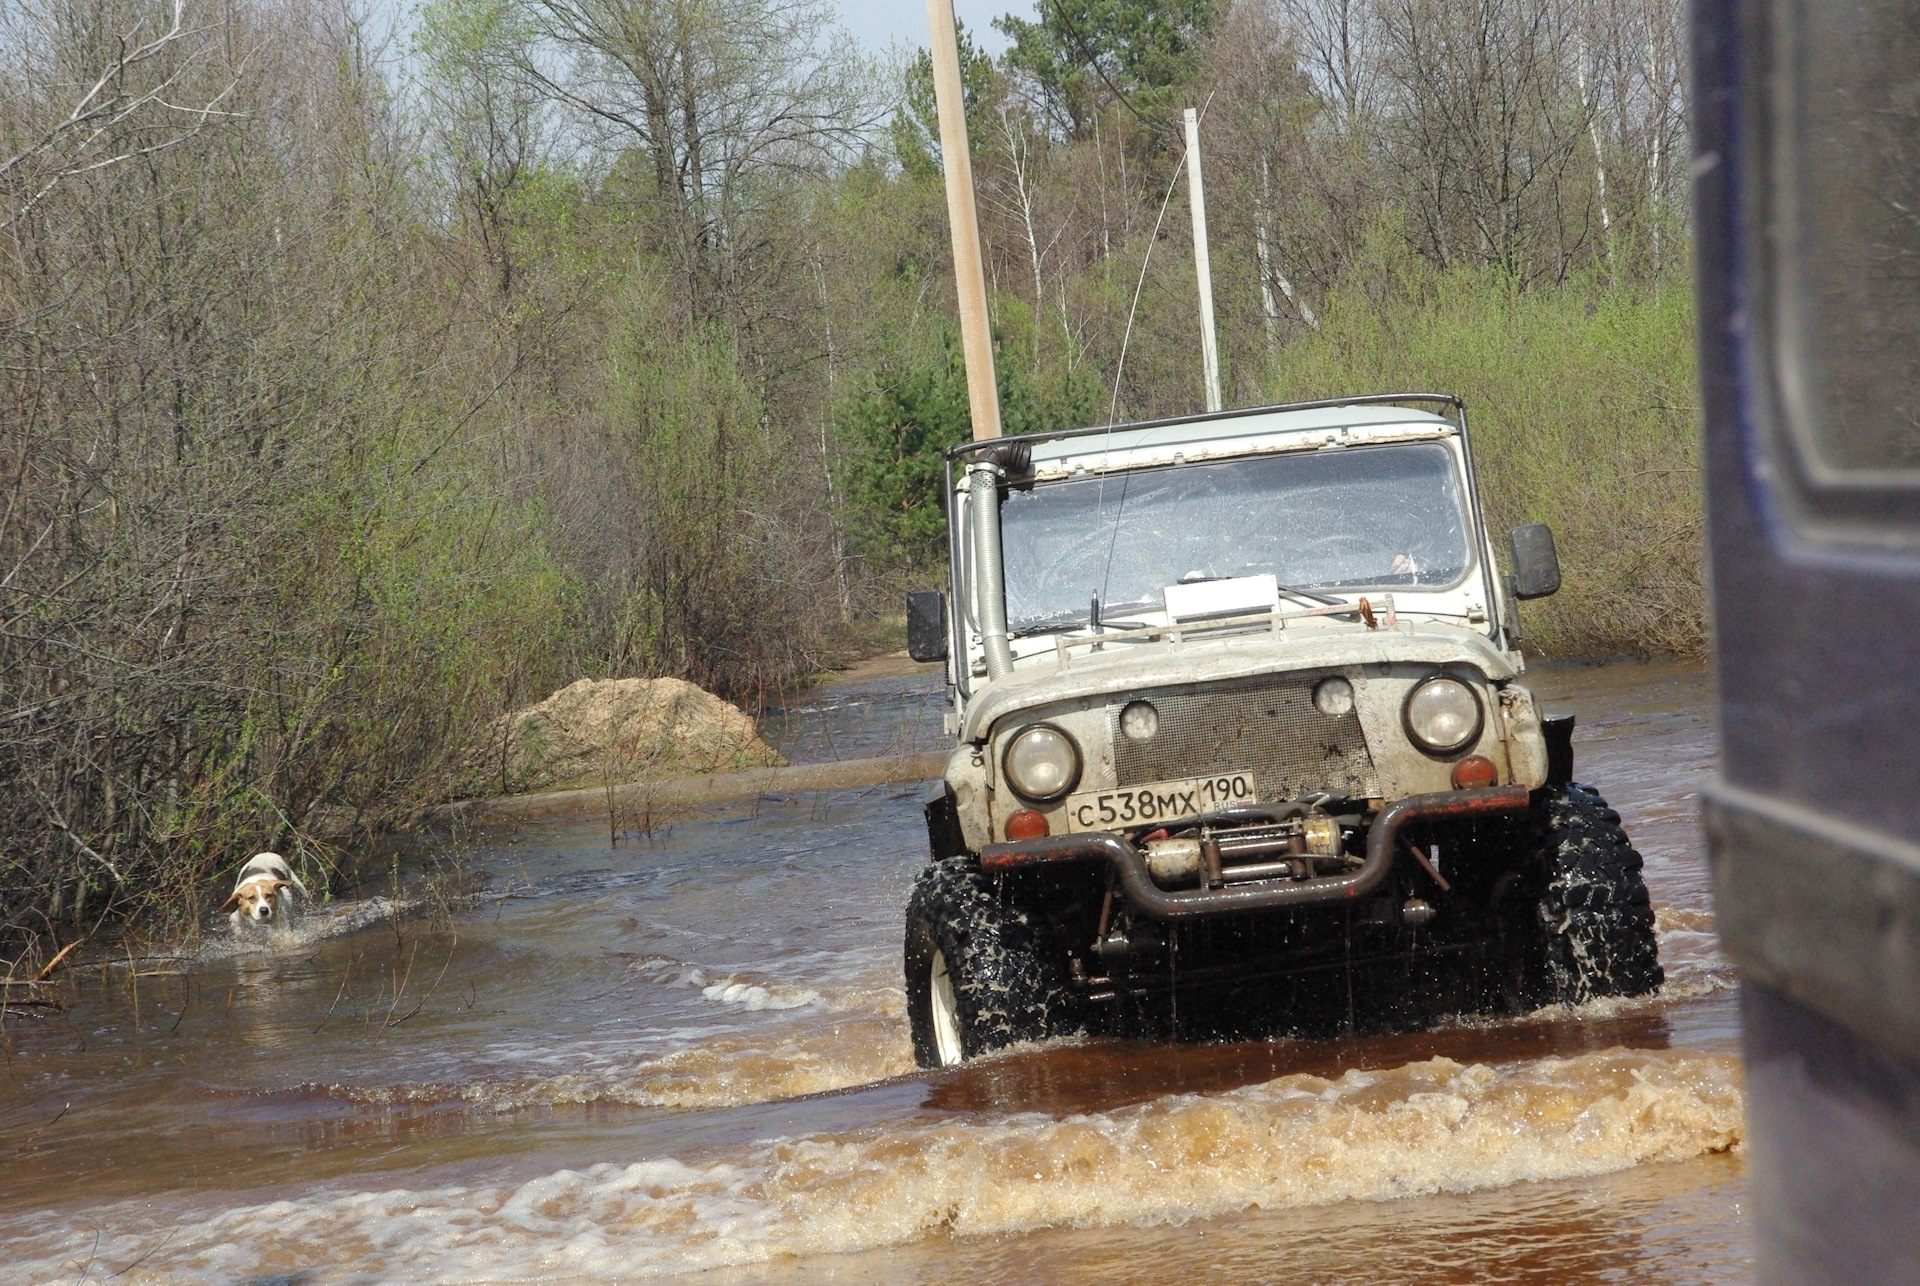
(256, 901)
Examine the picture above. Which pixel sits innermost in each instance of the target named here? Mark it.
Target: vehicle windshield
(1345, 519)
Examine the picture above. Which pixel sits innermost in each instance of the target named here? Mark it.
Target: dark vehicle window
(1846, 193)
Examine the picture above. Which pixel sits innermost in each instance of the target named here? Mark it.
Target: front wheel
(978, 976)
(1583, 925)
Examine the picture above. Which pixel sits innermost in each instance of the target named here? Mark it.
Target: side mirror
(927, 625)
(1536, 567)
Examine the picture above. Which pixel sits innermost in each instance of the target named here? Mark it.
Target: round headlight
(1333, 696)
(1042, 762)
(1443, 715)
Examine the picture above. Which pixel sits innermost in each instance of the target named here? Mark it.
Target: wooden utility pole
(969, 278)
(1202, 265)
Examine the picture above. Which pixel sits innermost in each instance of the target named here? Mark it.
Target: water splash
(310, 926)
(721, 1071)
(1427, 1127)
(737, 988)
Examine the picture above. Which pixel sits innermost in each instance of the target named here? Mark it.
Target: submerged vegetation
(357, 387)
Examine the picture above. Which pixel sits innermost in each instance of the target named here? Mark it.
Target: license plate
(1160, 801)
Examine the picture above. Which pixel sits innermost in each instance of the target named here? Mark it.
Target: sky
(879, 23)
(876, 24)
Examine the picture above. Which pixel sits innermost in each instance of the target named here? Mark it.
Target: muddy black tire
(1005, 985)
(1585, 929)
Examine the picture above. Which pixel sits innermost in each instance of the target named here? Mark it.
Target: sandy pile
(600, 731)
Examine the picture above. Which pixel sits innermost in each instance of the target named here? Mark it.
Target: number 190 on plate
(1160, 801)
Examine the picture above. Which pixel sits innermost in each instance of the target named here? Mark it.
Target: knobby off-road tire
(1005, 986)
(1588, 930)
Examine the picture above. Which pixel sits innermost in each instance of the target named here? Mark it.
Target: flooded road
(687, 1051)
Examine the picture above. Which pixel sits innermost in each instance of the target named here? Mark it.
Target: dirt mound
(600, 731)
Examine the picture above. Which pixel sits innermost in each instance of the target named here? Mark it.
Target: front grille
(1265, 726)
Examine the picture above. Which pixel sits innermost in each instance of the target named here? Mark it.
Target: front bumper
(1130, 865)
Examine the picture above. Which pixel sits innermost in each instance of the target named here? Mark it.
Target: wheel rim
(946, 1013)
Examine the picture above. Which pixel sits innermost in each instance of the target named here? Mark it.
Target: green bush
(896, 431)
(702, 472)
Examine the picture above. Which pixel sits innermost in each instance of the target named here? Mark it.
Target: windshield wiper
(1094, 616)
(1051, 624)
(1311, 596)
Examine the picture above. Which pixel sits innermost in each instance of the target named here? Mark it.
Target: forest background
(355, 388)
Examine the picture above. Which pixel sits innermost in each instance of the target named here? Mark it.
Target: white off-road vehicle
(1241, 742)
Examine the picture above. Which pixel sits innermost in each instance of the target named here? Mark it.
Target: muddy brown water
(687, 1053)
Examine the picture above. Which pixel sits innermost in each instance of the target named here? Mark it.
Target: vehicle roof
(1238, 433)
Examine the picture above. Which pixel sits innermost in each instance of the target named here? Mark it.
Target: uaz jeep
(1240, 741)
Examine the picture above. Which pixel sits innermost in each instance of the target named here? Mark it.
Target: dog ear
(233, 901)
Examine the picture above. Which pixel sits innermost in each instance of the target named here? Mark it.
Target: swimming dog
(263, 896)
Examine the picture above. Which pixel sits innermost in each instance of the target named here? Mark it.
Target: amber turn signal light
(1031, 823)
(1475, 772)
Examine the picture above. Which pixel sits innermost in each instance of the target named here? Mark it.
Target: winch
(1296, 848)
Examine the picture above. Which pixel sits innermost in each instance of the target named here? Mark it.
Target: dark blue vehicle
(1807, 132)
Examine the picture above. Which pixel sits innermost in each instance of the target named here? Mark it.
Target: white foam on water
(753, 996)
(861, 1038)
(1432, 1126)
(722, 1071)
(310, 925)
(734, 988)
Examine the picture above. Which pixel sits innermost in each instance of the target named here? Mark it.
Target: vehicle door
(1807, 185)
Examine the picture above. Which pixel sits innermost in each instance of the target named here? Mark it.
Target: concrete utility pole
(969, 279)
(1202, 266)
